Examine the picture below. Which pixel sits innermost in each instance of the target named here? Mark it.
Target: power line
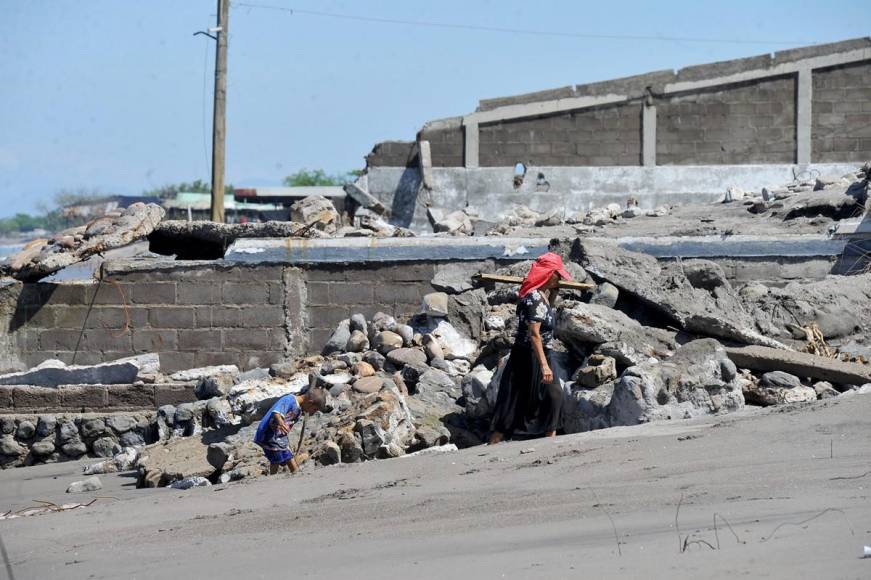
(515, 30)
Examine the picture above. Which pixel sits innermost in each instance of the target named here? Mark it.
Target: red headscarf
(541, 271)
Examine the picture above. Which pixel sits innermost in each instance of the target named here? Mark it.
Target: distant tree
(171, 190)
(310, 177)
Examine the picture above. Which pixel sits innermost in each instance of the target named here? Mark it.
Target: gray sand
(536, 509)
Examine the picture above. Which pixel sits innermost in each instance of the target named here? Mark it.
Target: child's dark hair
(317, 396)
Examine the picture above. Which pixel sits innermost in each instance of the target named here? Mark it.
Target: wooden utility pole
(219, 122)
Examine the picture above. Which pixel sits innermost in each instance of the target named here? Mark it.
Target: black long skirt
(526, 404)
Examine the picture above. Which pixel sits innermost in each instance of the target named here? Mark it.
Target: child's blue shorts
(278, 456)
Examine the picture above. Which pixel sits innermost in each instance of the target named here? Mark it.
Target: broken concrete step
(122, 371)
(800, 364)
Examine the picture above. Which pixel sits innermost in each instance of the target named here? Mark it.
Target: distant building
(194, 206)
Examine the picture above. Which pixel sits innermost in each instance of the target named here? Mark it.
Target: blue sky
(116, 95)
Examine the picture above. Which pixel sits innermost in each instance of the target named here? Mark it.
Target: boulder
(598, 370)
(45, 425)
(366, 385)
(200, 373)
(454, 345)
(68, 430)
(85, 485)
(7, 425)
(357, 342)
(350, 447)
(120, 423)
(42, 449)
(825, 390)
(358, 322)
(74, 448)
(435, 304)
(329, 453)
(432, 348)
(9, 447)
(375, 359)
(613, 333)
(26, 430)
(316, 211)
(688, 384)
(338, 341)
(363, 369)
(177, 459)
(780, 380)
(403, 356)
(605, 294)
(105, 447)
(92, 428)
(407, 334)
(474, 387)
(665, 289)
(385, 341)
(767, 395)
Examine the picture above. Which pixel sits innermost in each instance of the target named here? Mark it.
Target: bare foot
(550, 434)
(495, 438)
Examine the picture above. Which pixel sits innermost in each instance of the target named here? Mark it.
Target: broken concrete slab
(316, 211)
(621, 337)
(760, 358)
(667, 290)
(38, 260)
(118, 372)
(365, 250)
(365, 200)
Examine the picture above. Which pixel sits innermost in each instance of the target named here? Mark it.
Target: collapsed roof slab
(362, 250)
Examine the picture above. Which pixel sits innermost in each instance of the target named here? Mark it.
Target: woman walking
(529, 398)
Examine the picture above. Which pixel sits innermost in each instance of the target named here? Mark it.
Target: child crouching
(276, 424)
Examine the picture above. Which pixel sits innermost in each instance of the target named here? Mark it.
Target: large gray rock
(26, 430)
(358, 342)
(68, 430)
(121, 423)
(119, 372)
(7, 425)
(85, 485)
(317, 211)
(689, 384)
(385, 341)
(74, 448)
(105, 447)
(405, 356)
(435, 304)
(780, 380)
(358, 322)
(667, 290)
(474, 386)
(605, 294)
(42, 449)
(45, 425)
(9, 447)
(197, 374)
(338, 341)
(598, 371)
(614, 333)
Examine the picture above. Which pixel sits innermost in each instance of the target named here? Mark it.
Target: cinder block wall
(201, 314)
(747, 123)
(600, 136)
(841, 113)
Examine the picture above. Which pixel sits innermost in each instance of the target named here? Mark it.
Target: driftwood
(568, 284)
(800, 364)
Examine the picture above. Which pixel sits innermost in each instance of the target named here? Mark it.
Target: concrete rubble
(655, 339)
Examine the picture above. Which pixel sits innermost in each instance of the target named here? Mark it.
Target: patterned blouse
(534, 307)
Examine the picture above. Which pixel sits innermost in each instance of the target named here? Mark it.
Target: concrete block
(69, 316)
(397, 294)
(106, 339)
(131, 397)
(58, 339)
(67, 294)
(171, 317)
(207, 359)
(276, 293)
(154, 293)
(226, 316)
(199, 293)
(172, 361)
(327, 316)
(318, 293)
(83, 396)
(262, 316)
(173, 394)
(103, 317)
(24, 397)
(202, 316)
(244, 293)
(147, 340)
(206, 339)
(347, 293)
(247, 339)
(106, 293)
